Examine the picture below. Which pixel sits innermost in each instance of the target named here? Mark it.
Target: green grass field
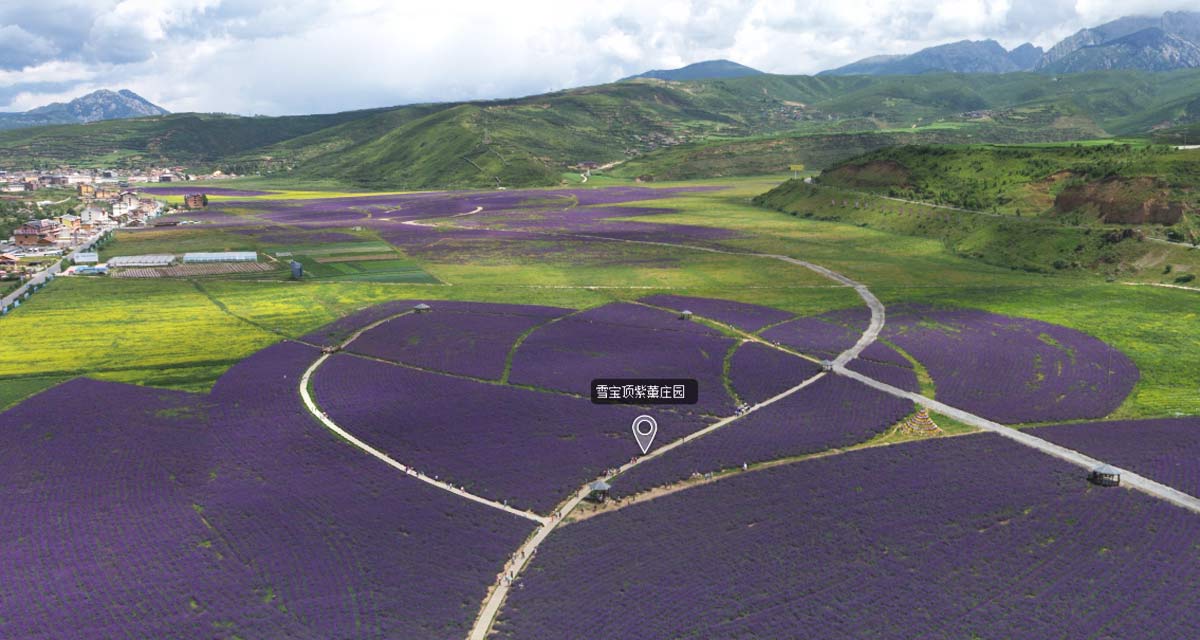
(183, 334)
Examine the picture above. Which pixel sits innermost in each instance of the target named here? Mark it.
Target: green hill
(1034, 244)
(185, 138)
(661, 130)
(1086, 183)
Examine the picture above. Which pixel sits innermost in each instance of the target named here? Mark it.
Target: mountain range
(707, 70)
(652, 130)
(93, 107)
(1145, 43)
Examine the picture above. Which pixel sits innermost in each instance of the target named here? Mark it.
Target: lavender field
(229, 515)
(962, 537)
(1166, 450)
(1013, 370)
(527, 448)
(136, 512)
(625, 341)
(759, 372)
(460, 338)
(832, 412)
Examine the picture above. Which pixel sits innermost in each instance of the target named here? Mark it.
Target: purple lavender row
(338, 330)
(101, 540)
(832, 412)
(527, 448)
(1013, 370)
(352, 545)
(470, 342)
(625, 341)
(813, 336)
(971, 537)
(134, 512)
(759, 372)
(1165, 450)
(897, 376)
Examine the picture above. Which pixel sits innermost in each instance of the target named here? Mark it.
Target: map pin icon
(644, 429)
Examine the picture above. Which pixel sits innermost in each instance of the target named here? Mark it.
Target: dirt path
(1161, 284)
(312, 407)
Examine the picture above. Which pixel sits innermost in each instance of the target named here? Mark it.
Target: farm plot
(190, 270)
(625, 341)
(898, 376)
(605, 222)
(1012, 370)
(465, 339)
(947, 538)
(814, 336)
(526, 448)
(228, 515)
(389, 267)
(758, 372)
(831, 412)
(212, 191)
(1166, 450)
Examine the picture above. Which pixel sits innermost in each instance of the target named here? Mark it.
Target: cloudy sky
(304, 56)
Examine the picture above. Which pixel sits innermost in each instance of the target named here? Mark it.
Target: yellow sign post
(796, 169)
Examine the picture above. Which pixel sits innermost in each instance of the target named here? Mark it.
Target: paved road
(44, 274)
(1076, 458)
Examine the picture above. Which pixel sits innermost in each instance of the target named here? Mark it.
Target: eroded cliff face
(1119, 200)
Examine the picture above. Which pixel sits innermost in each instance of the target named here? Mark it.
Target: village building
(195, 201)
(37, 233)
(92, 217)
(69, 222)
(8, 261)
(86, 190)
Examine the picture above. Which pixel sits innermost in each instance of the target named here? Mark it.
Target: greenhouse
(220, 256)
(148, 260)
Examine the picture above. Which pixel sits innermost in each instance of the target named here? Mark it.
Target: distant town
(53, 222)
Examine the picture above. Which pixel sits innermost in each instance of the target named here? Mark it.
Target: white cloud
(297, 56)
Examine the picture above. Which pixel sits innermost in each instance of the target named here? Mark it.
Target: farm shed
(422, 308)
(598, 491)
(220, 256)
(685, 315)
(147, 260)
(1105, 476)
